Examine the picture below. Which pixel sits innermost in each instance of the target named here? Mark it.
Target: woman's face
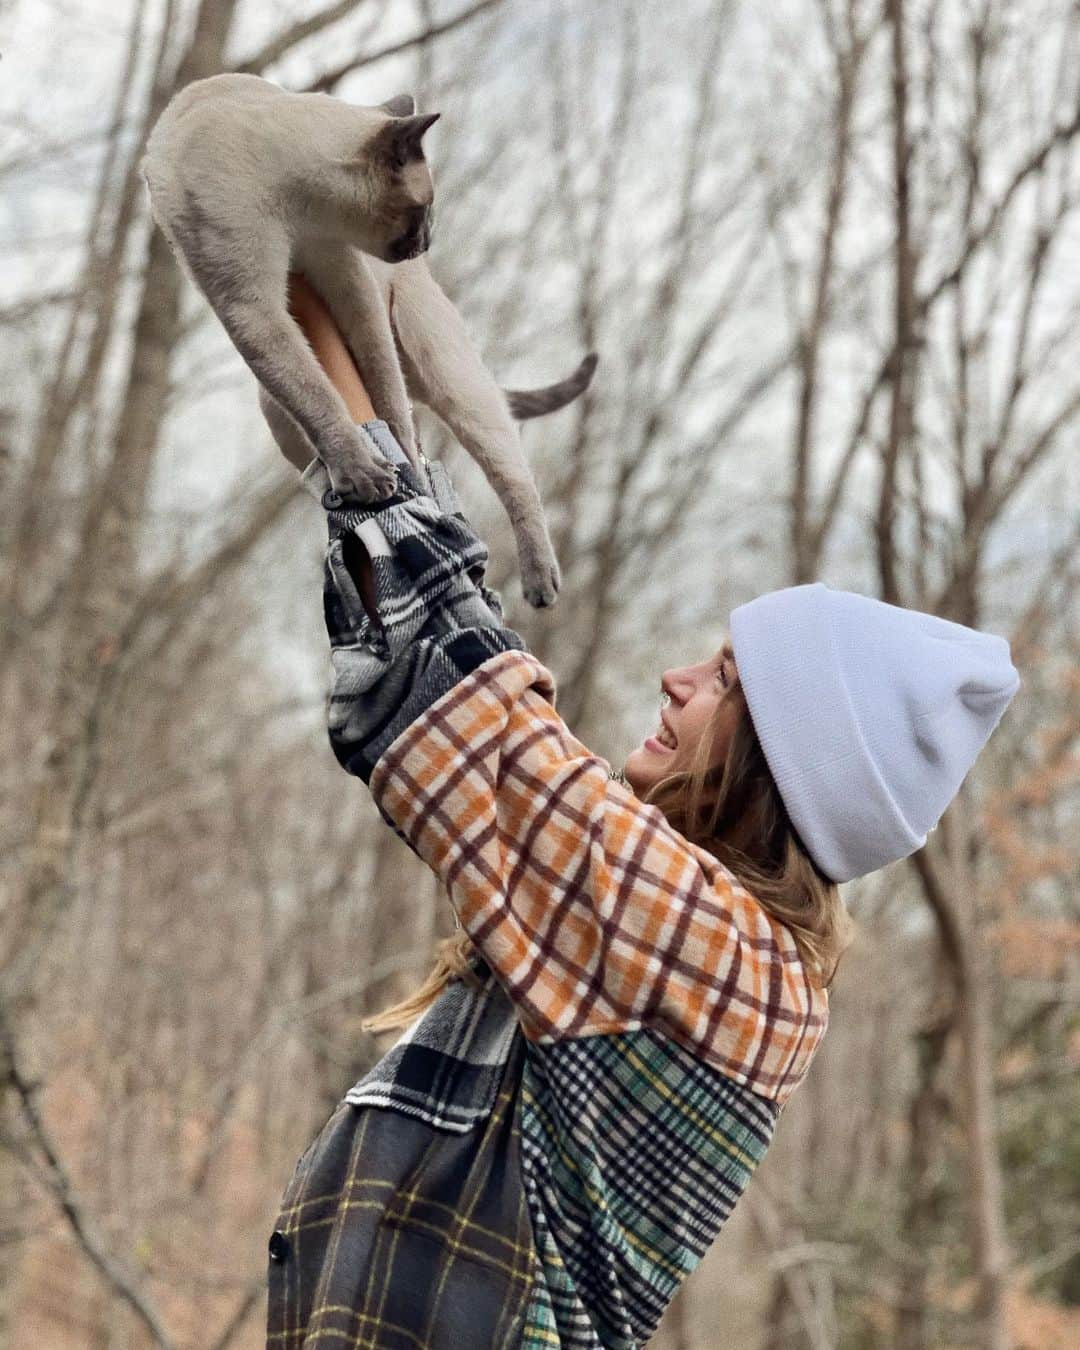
(695, 692)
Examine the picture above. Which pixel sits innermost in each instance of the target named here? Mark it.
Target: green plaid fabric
(635, 1153)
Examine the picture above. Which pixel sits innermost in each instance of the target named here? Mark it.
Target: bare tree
(821, 249)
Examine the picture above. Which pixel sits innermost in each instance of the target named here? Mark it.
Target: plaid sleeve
(593, 912)
(438, 620)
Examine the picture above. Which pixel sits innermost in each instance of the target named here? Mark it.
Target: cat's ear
(400, 139)
(401, 105)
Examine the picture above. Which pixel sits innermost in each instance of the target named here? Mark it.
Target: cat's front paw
(540, 581)
(363, 484)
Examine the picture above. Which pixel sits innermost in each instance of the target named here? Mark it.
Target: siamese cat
(249, 182)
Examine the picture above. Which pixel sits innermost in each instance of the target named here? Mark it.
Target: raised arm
(593, 912)
(407, 611)
(328, 346)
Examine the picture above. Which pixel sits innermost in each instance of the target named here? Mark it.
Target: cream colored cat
(250, 182)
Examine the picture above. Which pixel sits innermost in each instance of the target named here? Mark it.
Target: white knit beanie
(869, 715)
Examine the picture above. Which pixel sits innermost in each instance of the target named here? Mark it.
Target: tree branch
(329, 79)
(296, 33)
(58, 1181)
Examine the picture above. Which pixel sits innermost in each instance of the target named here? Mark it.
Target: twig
(326, 82)
(56, 1178)
(296, 33)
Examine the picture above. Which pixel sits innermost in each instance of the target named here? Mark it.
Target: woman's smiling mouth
(663, 742)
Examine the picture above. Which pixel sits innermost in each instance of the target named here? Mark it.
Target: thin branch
(328, 80)
(224, 1096)
(1061, 135)
(290, 37)
(55, 1176)
(254, 1293)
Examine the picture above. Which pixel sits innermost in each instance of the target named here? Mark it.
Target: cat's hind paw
(540, 582)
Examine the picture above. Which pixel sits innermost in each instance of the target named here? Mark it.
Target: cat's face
(395, 187)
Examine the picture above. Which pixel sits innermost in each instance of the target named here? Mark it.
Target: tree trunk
(922, 1212)
(902, 372)
(964, 949)
(991, 1256)
(96, 601)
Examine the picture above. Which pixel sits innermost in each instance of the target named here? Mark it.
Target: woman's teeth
(665, 737)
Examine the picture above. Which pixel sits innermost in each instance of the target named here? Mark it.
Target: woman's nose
(675, 684)
(680, 682)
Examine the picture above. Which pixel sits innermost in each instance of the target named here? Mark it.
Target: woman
(597, 1063)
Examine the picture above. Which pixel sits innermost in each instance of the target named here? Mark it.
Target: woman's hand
(318, 326)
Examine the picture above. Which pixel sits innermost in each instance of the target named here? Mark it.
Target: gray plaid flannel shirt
(440, 619)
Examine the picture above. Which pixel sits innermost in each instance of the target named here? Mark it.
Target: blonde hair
(735, 811)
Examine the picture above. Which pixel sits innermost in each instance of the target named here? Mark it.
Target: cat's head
(397, 190)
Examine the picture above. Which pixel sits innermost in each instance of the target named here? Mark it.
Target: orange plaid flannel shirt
(594, 913)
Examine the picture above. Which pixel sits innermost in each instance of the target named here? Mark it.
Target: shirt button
(279, 1246)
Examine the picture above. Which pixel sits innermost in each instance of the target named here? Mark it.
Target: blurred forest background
(828, 251)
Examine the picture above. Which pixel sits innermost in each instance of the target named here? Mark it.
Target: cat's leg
(444, 371)
(340, 275)
(286, 431)
(247, 288)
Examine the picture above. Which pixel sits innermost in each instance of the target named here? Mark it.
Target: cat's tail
(526, 403)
